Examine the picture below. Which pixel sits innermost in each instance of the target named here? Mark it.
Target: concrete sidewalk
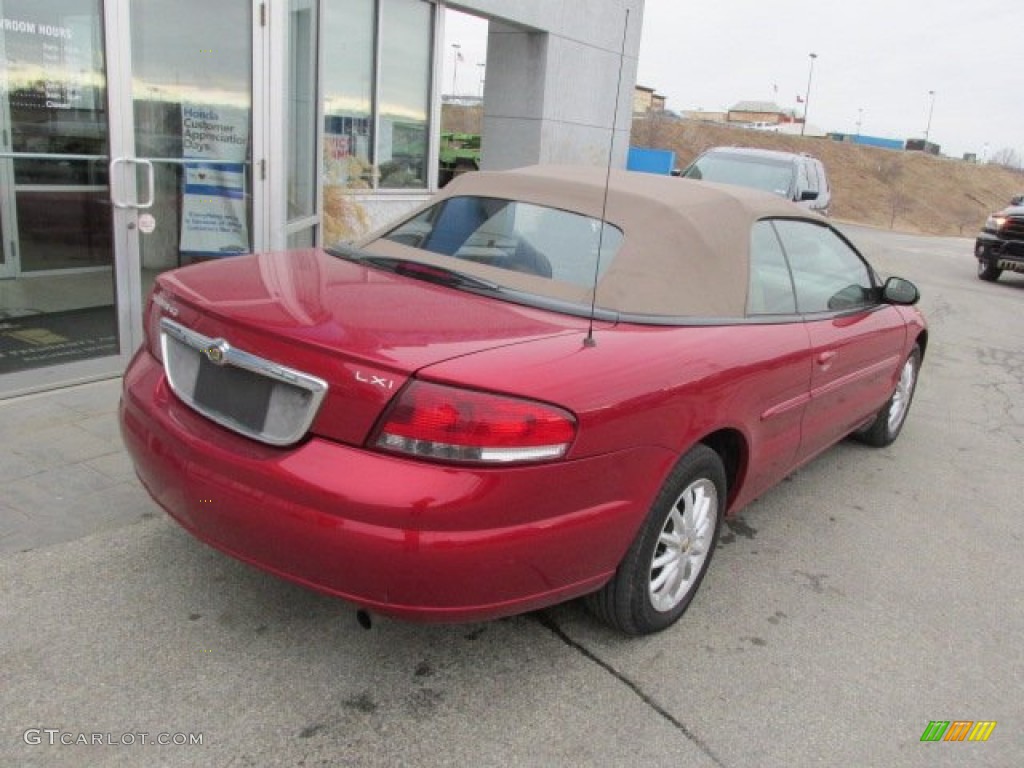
(63, 468)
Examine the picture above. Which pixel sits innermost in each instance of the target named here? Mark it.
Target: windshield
(758, 172)
(515, 236)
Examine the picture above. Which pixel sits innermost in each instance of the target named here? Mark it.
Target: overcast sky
(878, 56)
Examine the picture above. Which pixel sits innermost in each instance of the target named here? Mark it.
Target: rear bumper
(404, 538)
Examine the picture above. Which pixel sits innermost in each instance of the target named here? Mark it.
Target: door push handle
(150, 183)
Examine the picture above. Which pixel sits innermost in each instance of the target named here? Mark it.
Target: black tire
(988, 271)
(888, 424)
(696, 488)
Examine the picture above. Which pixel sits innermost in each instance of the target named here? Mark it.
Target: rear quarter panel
(643, 386)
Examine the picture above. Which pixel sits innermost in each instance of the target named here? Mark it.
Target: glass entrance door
(57, 277)
(191, 142)
(126, 148)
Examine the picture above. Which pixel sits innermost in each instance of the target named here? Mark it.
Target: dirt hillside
(907, 191)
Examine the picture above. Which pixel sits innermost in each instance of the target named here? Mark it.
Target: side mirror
(808, 194)
(899, 291)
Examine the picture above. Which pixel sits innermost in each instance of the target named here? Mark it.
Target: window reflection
(55, 86)
(348, 93)
(192, 106)
(213, 70)
(770, 289)
(376, 122)
(828, 275)
(64, 229)
(520, 237)
(56, 257)
(300, 109)
(404, 93)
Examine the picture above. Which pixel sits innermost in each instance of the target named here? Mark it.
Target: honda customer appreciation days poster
(215, 141)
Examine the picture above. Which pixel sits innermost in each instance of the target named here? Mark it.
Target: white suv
(797, 177)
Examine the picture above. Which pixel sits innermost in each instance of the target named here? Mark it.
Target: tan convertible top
(685, 250)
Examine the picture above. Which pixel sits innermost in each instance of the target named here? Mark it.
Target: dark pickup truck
(1000, 244)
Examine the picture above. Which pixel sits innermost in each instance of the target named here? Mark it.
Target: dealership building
(137, 136)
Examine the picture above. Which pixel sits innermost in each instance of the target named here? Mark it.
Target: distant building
(647, 100)
(920, 145)
(705, 117)
(760, 112)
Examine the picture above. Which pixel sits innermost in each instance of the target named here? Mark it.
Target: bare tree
(970, 211)
(890, 173)
(1008, 157)
(652, 128)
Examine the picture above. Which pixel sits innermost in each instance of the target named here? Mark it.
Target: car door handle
(825, 359)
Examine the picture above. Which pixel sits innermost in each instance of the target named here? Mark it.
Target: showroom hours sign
(49, 65)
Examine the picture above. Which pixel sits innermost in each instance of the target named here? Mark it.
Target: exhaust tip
(364, 620)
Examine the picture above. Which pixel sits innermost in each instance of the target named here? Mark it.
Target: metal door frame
(124, 191)
(122, 142)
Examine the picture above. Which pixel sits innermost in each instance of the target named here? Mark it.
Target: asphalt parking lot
(872, 592)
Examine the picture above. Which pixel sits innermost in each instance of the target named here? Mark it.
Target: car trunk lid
(361, 331)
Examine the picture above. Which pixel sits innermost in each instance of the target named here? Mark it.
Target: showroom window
(404, 101)
(300, 113)
(348, 92)
(377, 72)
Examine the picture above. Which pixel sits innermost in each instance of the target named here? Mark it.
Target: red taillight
(450, 424)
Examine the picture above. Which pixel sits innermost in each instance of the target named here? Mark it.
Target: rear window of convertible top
(517, 236)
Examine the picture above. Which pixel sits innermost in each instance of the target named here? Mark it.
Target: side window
(771, 287)
(803, 180)
(812, 176)
(829, 276)
(823, 178)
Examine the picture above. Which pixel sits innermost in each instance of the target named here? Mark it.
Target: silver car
(795, 176)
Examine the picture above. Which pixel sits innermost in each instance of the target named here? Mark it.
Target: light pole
(928, 128)
(860, 117)
(807, 98)
(456, 53)
(481, 66)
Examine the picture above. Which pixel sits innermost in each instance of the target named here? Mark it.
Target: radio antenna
(589, 341)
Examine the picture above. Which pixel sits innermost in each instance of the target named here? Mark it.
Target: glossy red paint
(395, 535)
(362, 330)
(433, 540)
(418, 540)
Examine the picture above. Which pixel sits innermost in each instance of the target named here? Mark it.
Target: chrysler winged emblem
(217, 352)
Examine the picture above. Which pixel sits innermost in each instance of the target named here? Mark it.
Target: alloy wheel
(683, 545)
(901, 397)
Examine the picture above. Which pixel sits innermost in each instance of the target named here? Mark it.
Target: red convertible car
(538, 386)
